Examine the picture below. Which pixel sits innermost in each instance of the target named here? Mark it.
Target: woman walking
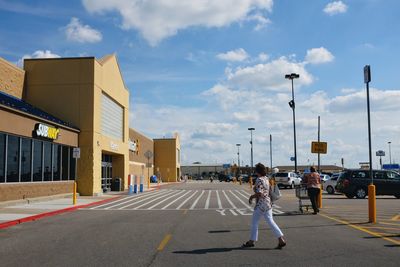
(263, 208)
(313, 181)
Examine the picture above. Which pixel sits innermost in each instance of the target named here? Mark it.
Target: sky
(209, 70)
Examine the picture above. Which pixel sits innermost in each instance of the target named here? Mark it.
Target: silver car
(287, 179)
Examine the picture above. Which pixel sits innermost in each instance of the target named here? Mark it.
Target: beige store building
(139, 164)
(89, 93)
(167, 158)
(36, 148)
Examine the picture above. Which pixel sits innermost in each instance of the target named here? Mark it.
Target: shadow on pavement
(392, 246)
(217, 250)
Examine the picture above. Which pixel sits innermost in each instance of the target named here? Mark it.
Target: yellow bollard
(320, 198)
(371, 203)
(74, 194)
(251, 182)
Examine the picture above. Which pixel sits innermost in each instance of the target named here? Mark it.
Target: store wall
(137, 159)
(166, 159)
(71, 89)
(11, 79)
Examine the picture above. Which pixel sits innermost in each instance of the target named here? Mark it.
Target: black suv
(355, 183)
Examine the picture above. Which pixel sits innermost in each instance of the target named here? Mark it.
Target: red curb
(52, 213)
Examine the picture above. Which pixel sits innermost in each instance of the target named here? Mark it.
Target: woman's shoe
(281, 245)
(248, 244)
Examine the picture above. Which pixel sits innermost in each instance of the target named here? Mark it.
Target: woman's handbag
(275, 193)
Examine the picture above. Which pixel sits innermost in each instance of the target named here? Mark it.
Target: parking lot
(204, 224)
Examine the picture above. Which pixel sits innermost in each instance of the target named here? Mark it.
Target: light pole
(251, 144)
(270, 151)
(390, 153)
(291, 77)
(238, 153)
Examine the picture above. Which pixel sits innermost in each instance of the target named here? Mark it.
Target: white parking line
(208, 200)
(183, 203)
(131, 203)
(229, 200)
(149, 195)
(219, 200)
(123, 199)
(246, 193)
(197, 200)
(169, 204)
(244, 203)
(151, 201)
(158, 203)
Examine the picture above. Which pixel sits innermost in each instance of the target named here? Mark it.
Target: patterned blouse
(264, 200)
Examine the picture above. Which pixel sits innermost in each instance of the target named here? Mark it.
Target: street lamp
(390, 153)
(251, 144)
(292, 105)
(238, 153)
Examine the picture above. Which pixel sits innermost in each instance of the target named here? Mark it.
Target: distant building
(301, 168)
(202, 169)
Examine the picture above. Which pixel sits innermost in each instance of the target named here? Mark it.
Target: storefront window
(65, 160)
(47, 161)
(12, 159)
(37, 160)
(72, 165)
(2, 157)
(56, 162)
(26, 151)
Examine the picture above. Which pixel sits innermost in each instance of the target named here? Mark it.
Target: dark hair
(260, 169)
(312, 169)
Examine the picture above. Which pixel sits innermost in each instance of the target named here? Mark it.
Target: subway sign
(46, 131)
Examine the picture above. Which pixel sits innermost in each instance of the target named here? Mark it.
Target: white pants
(257, 214)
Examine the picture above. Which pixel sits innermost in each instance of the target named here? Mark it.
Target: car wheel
(397, 196)
(361, 193)
(330, 190)
(349, 195)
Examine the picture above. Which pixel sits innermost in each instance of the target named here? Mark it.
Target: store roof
(20, 105)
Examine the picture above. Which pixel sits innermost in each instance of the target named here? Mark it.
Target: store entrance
(106, 172)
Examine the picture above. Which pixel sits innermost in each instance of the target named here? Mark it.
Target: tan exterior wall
(24, 125)
(166, 159)
(11, 79)
(71, 89)
(16, 191)
(137, 160)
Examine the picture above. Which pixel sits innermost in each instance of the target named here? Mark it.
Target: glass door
(106, 173)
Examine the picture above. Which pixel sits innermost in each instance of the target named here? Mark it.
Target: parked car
(330, 184)
(225, 178)
(245, 178)
(355, 182)
(287, 179)
(324, 177)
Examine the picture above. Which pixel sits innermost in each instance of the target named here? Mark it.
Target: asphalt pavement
(196, 224)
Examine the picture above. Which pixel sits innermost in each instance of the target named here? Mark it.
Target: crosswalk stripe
(145, 198)
(246, 205)
(153, 200)
(229, 200)
(219, 200)
(246, 193)
(122, 199)
(208, 200)
(183, 203)
(169, 204)
(197, 200)
(158, 203)
(130, 199)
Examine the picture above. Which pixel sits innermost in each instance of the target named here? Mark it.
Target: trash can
(116, 184)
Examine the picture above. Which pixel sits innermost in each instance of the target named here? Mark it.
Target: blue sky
(211, 69)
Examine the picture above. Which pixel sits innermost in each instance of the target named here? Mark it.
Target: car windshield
(282, 174)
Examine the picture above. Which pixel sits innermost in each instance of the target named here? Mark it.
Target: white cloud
(159, 19)
(75, 31)
(269, 76)
(37, 54)
(335, 7)
(263, 57)
(210, 130)
(234, 55)
(318, 56)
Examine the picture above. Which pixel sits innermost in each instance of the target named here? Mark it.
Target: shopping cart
(302, 195)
